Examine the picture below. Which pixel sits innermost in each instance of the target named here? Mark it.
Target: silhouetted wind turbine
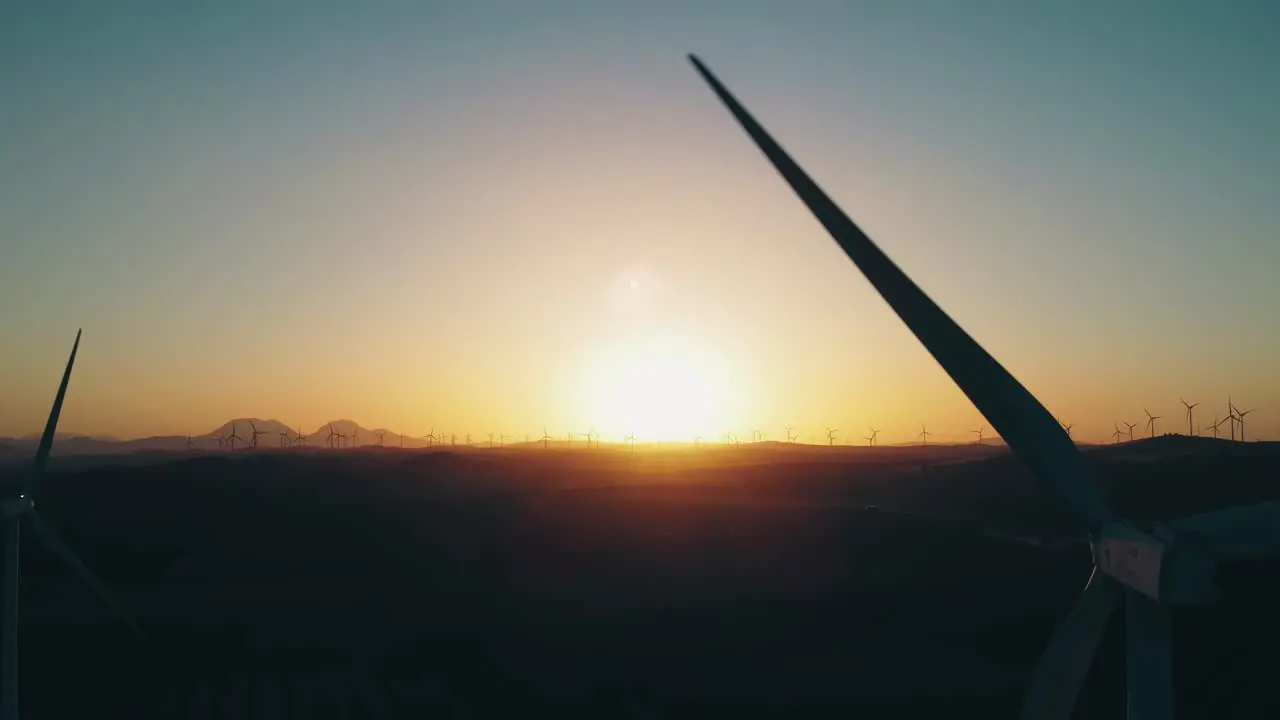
(1231, 417)
(924, 435)
(21, 507)
(468, 440)
(1240, 420)
(502, 440)
(354, 439)
(1131, 427)
(790, 438)
(490, 441)
(586, 435)
(875, 435)
(189, 441)
(332, 438)
(831, 435)
(1067, 427)
(1189, 407)
(256, 433)
(284, 438)
(979, 431)
(1215, 427)
(545, 437)
(380, 435)
(870, 439)
(1117, 435)
(233, 437)
(300, 438)
(1150, 571)
(430, 437)
(1151, 421)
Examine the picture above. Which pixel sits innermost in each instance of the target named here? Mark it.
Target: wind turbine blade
(51, 427)
(1148, 658)
(1238, 533)
(1065, 663)
(1026, 426)
(55, 544)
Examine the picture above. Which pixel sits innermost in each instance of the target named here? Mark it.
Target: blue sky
(419, 214)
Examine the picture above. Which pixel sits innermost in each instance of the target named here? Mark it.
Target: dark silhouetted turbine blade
(54, 543)
(1065, 663)
(51, 427)
(1028, 429)
(1238, 533)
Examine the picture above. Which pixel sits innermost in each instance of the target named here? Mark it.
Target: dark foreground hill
(387, 583)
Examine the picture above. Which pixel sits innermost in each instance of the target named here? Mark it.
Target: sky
(497, 216)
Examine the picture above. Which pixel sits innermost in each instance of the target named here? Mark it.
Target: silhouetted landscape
(761, 581)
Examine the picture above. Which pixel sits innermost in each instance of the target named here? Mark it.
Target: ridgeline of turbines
(336, 439)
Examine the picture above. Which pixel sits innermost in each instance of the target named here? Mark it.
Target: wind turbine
(284, 438)
(831, 435)
(1215, 427)
(256, 434)
(545, 437)
(380, 435)
(632, 440)
(875, 435)
(1131, 427)
(332, 438)
(790, 438)
(234, 436)
(490, 441)
(300, 438)
(468, 440)
(1151, 421)
(1240, 420)
(354, 438)
(21, 507)
(924, 435)
(502, 439)
(870, 439)
(697, 442)
(1171, 566)
(979, 431)
(190, 442)
(586, 435)
(1189, 407)
(430, 437)
(1117, 435)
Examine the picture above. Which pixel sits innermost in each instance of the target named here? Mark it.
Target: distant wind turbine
(831, 435)
(1131, 427)
(1215, 427)
(545, 437)
(332, 438)
(299, 438)
(1189, 407)
(490, 441)
(980, 430)
(631, 439)
(1151, 421)
(256, 433)
(924, 435)
(380, 434)
(790, 438)
(189, 441)
(1240, 421)
(1117, 434)
(234, 436)
(697, 442)
(875, 435)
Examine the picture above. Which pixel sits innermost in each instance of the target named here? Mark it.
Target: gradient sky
(498, 215)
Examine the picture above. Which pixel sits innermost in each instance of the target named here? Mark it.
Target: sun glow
(660, 388)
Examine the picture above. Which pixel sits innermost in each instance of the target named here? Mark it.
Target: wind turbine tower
(979, 431)
(831, 435)
(924, 435)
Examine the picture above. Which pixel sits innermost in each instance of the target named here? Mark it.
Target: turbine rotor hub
(15, 507)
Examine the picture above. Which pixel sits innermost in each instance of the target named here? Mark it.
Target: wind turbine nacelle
(1170, 569)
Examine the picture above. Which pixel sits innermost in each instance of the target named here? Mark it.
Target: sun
(660, 388)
